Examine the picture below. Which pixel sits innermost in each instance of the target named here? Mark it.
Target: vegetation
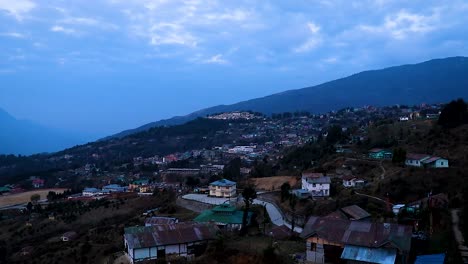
(248, 194)
(454, 114)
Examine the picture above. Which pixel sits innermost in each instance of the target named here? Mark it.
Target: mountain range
(434, 81)
(25, 137)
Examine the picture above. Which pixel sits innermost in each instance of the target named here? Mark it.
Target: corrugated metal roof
(370, 255)
(355, 212)
(151, 236)
(430, 259)
(415, 156)
(359, 233)
(223, 183)
(161, 220)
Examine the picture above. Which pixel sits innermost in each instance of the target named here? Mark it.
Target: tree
(248, 194)
(285, 188)
(335, 134)
(399, 155)
(35, 197)
(232, 170)
(292, 204)
(192, 182)
(454, 114)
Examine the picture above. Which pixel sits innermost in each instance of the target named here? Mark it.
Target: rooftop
(150, 236)
(359, 233)
(223, 183)
(222, 214)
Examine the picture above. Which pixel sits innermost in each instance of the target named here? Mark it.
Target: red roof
(348, 177)
(415, 156)
(38, 181)
(358, 233)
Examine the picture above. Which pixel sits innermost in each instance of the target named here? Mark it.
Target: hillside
(25, 137)
(433, 81)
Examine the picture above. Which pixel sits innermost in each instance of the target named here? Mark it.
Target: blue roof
(430, 259)
(91, 190)
(371, 255)
(223, 183)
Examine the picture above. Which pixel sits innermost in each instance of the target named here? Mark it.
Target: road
(459, 235)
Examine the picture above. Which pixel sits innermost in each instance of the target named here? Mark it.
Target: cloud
(216, 59)
(61, 29)
(313, 41)
(13, 35)
(403, 24)
(17, 8)
(171, 34)
(89, 22)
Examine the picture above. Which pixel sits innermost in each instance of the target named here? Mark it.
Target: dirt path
(382, 175)
(459, 235)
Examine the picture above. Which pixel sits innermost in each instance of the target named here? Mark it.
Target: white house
(317, 186)
(156, 242)
(91, 192)
(352, 181)
(425, 160)
(223, 188)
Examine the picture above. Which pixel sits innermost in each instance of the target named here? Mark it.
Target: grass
(25, 197)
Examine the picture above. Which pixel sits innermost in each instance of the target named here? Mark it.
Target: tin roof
(151, 236)
(355, 212)
(309, 174)
(223, 183)
(369, 255)
(430, 259)
(320, 180)
(415, 156)
(160, 220)
(359, 233)
(431, 159)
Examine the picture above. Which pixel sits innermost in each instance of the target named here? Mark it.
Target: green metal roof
(4, 189)
(222, 214)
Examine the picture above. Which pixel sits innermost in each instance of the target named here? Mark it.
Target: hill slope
(25, 137)
(439, 80)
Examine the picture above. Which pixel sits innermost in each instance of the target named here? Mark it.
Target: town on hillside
(357, 185)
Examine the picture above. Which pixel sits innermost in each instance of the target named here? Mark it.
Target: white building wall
(441, 163)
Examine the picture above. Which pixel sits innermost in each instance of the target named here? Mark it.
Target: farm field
(24, 197)
(273, 183)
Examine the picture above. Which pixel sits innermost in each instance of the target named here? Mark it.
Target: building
(353, 181)
(162, 241)
(160, 220)
(38, 183)
(89, 192)
(430, 259)
(114, 188)
(352, 212)
(223, 188)
(317, 186)
(225, 216)
(330, 240)
(377, 153)
(425, 160)
(137, 185)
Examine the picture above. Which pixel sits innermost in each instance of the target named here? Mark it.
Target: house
(38, 183)
(225, 216)
(223, 188)
(436, 162)
(89, 192)
(425, 160)
(353, 181)
(430, 259)
(113, 188)
(317, 184)
(4, 189)
(352, 212)
(162, 241)
(69, 236)
(330, 240)
(377, 153)
(160, 220)
(138, 185)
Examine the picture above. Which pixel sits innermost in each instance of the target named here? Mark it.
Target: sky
(99, 67)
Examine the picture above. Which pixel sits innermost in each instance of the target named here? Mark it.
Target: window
(441, 163)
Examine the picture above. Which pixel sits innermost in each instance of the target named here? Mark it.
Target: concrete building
(223, 188)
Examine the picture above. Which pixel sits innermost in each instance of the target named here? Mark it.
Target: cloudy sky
(102, 66)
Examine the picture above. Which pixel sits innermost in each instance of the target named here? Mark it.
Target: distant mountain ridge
(438, 80)
(25, 137)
